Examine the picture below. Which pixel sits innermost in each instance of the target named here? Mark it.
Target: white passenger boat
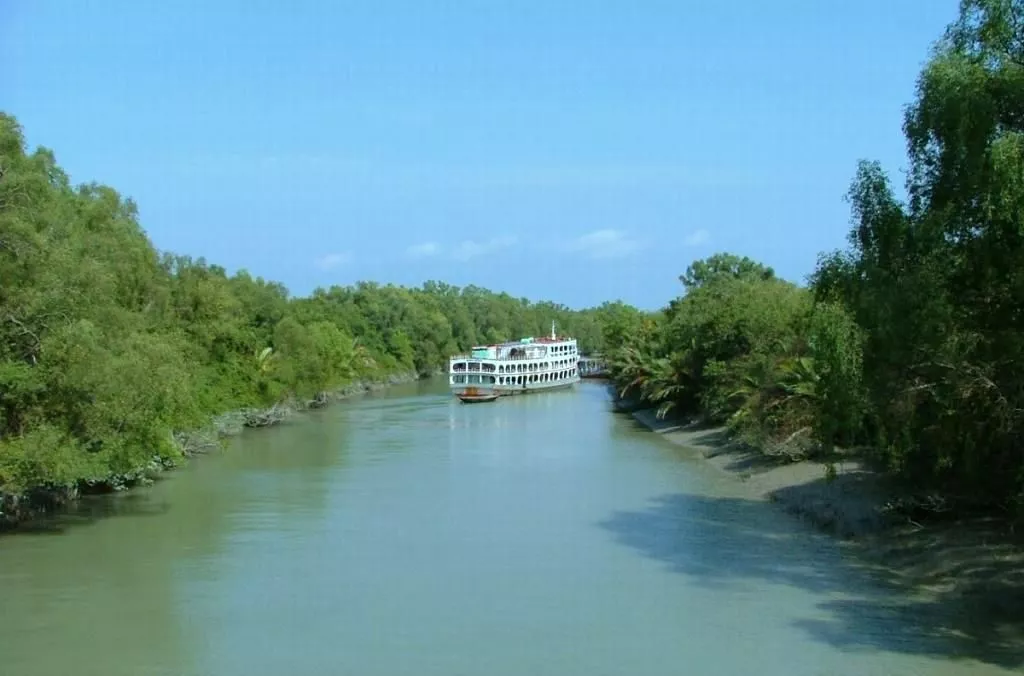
(527, 365)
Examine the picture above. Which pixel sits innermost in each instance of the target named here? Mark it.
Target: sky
(562, 150)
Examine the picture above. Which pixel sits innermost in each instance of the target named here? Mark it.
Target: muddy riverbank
(971, 568)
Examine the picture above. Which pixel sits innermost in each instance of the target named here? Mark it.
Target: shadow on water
(89, 510)
(726, 541)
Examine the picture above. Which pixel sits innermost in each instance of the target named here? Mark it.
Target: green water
(407, 533)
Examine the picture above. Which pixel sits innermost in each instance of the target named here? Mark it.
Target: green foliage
(44, 456)
(835, 346)
(936, 286)
(723, 266)
(911, 341)
(108, 347)
(735, 319)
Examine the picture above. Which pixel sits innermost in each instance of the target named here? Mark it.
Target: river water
(405, 533)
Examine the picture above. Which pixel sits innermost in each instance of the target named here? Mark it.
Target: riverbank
(972, 565)
(17, 511)
(851, 503)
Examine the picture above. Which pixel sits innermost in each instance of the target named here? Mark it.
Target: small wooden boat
(472, 395)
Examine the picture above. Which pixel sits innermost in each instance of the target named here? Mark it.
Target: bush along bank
(781, 379)
(110, 349)
(909, 344)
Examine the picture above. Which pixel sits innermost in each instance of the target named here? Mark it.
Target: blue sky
(573, 151)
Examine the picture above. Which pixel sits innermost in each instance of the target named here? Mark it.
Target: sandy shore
(964, 577)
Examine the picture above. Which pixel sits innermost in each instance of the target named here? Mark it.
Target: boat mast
(553, 336)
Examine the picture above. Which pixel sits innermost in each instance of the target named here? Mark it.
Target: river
(405, 533)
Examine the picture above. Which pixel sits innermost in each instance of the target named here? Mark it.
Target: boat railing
(468, 357)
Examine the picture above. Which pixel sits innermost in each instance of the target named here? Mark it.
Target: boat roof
(543, 340)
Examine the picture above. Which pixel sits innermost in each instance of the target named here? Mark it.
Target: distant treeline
(109, 349)
(910, 343)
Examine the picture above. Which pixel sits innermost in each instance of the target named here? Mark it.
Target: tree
(704, 271)
(936, 287)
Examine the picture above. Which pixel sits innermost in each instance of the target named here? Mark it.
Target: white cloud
(332, 260)
(604, 244)
(697, 238)
(424, 250)
(468, 249)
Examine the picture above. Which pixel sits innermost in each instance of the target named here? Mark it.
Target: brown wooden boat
(473, 395)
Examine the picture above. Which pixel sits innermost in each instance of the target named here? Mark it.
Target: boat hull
(477, 398)
(510, 391)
